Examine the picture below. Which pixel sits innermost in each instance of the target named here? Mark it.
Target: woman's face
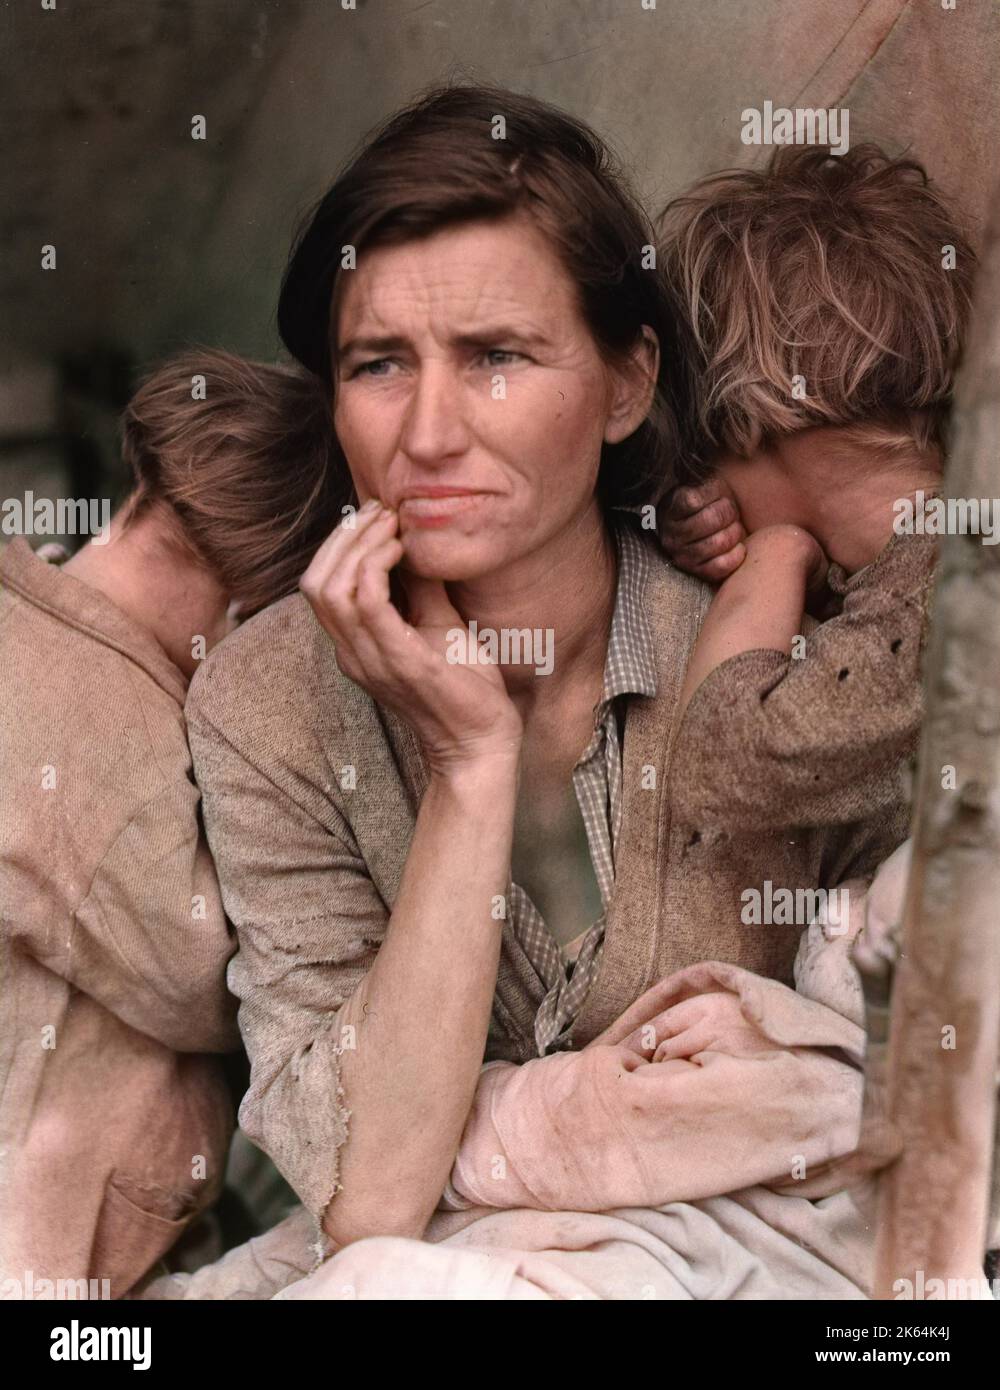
(471, 397)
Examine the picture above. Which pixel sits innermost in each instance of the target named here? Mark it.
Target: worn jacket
(114, 1123)
(816, 737)
(310, 870)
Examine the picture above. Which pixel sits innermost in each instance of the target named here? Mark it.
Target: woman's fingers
(400, 663)
(676, 1019)
(371, 577)
(428, 604)
(348, 586)
(712, 1022)
(331, 585)
(343, 580)
(389, 651)
(338, 543)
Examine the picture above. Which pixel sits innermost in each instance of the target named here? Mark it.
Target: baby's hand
(701, 530)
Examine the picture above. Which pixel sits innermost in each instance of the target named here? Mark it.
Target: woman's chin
(447, 556)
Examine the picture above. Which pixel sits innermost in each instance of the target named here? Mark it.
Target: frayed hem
(323, 1247)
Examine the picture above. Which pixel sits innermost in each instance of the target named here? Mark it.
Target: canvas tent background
(163, 240)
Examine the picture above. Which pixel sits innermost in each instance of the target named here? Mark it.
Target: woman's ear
(634, 383)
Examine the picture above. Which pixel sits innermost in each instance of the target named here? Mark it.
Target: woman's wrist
(489, 772)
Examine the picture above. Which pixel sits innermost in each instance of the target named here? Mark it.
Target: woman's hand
(461, 713)
(702, 532)
(712, 1022)
(422, 1008)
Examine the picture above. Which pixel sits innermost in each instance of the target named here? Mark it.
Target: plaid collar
(630, 666)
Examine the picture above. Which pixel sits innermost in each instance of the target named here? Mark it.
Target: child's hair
(238, 452)
(830, 268)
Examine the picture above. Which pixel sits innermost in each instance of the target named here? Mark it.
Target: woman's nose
(435, 426)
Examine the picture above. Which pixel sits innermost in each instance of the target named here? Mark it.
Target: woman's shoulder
(675, 602)
(277, 671)
(663, 582)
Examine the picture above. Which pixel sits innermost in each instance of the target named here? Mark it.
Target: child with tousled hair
(117, 1117)
(827, 297)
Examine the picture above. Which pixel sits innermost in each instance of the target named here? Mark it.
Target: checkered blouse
(628, 670)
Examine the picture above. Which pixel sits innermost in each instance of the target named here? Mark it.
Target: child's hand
(701, 530)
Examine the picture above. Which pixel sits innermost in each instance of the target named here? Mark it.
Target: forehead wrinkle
(451, 307)
(373, 294)
(456, 287)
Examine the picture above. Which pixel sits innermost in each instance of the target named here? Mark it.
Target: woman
(116, 1113)
(429, 861)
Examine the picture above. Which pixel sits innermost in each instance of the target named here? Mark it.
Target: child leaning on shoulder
(827, 298)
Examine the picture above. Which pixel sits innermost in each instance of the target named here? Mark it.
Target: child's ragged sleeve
(770, 740)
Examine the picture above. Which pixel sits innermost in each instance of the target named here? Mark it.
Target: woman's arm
(365, 1027)
(713, 1081)
(422, 1011)
(326, 1050)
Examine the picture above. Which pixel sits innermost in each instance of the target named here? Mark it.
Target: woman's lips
(438, 510)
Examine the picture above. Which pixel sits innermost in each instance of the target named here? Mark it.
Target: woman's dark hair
(463, 153)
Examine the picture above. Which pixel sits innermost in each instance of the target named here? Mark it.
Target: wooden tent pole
(944, 1033)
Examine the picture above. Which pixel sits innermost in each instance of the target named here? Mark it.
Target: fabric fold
(644, 1115)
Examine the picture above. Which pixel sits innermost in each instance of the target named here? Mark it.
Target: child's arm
(813, 736)
(760, 607)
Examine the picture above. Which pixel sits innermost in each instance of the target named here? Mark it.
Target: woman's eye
(372, 368)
